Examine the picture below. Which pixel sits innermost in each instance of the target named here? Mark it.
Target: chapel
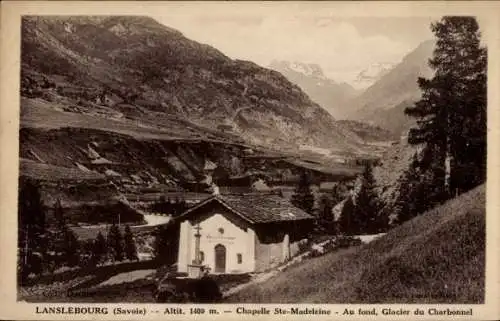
(235, 233)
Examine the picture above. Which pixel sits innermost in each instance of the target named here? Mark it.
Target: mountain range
(310, 78)
(145, 68)
(372, 74)
(391, 88)
(146, 71)
(383, 102)
(130, 102)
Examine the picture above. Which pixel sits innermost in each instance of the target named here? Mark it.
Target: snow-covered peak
(311, 70)
(372, 73)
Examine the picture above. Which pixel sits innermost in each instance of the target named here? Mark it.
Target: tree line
(451, 121)
(362, 211)
(46, 248)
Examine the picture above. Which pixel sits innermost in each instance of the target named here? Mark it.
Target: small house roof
(255, 208)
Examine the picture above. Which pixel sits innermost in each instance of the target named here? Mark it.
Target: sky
(342, 46)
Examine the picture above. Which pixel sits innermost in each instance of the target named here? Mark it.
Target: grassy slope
(49, 172)
(39, 113)
(435, 258)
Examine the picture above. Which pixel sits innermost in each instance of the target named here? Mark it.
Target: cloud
(335, 44)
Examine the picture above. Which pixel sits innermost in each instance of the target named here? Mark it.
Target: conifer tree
(99, 249)
(303, 197)
(345, 222)
(416, 192)
(368, 216)
(129, 243)
(32, 241)
(406, 204)
(72, 247)
(451, 115)
(115, 243)
(63, 240)
(326, 221)
(339, 193)
(166, 243)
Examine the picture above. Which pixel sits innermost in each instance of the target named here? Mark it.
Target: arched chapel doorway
(220, 258)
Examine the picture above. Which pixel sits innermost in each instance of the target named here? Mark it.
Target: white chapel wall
(235, 239)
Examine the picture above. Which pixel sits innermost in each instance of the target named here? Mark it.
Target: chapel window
(239, 258)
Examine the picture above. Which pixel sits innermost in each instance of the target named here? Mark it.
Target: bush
(334, 244)
(304, 246)
(343, 241)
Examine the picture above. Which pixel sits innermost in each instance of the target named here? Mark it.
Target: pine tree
(417, 192)
(345, 222)
(452, 112)
(407, 200)
(339, 193)
(99, 249)
(326, 220)
(166, 243)
(368, 216)
(63, 240)
(129, 243)
(115, 243)
(72, 248)
(303, 197)
(32, 241)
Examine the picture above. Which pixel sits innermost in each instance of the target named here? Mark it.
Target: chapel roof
(256, 208)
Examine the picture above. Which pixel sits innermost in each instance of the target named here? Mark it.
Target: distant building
(241, 233)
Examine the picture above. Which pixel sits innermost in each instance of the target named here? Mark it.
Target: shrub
(334, 244)
(304, 246)
(343, 241)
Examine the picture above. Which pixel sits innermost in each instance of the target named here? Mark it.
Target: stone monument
(195, 270)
